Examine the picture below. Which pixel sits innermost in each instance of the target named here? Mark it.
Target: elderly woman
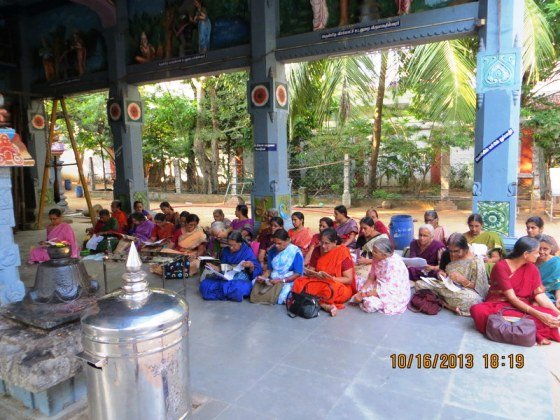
(324, 223)
(300, 235)
(431, 218)
(368, 237)
(534, 226)
(331, 273)
(386, 290)
(57, 231)
(265, 238)
(516, 282)
(237, 252)
(285, 264)
(242, 214)
(465, 270)
(346, 228)
(476, 235)
(219, 233)
(549, 268)
(428, 248)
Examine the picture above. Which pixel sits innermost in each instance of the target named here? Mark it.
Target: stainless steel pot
(136, 352)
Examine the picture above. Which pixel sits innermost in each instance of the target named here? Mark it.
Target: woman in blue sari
(549, 267)
(284, 262)
(213, 288)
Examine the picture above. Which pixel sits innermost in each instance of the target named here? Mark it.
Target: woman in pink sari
(300, 235)
(516, 288)
(57, 231)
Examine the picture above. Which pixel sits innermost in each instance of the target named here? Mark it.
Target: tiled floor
(252, 361)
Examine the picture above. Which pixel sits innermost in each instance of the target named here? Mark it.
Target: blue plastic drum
(402, 230)
(79, 191)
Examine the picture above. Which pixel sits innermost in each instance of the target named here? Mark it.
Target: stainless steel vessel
(136, 351)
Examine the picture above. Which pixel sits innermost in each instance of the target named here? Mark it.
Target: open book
(227, 275)
(155, 243)
(442, 282)
(415, 262)
(313, 273)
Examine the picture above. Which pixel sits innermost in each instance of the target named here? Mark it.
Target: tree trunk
(376, 139)
(177, 175)
(215, 161)
(199, 146)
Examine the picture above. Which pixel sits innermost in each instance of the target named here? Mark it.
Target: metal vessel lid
(134, 312)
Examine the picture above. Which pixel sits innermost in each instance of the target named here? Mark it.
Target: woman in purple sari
(428, 248)
(346, 228)
(242, 221)
(142, 228)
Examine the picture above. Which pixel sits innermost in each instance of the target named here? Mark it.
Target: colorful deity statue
(320, 14)
(403, 7)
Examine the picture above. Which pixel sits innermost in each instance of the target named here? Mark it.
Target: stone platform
(39, 368)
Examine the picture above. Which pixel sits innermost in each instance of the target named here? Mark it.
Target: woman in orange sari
(190, 240)
(331, 274)
(300, 235)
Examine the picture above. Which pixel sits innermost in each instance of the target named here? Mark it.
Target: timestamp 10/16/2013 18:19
(456, 361)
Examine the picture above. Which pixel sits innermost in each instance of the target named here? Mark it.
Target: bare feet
(331, 309)
(544, 342)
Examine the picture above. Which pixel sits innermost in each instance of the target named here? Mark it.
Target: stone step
(445, 205)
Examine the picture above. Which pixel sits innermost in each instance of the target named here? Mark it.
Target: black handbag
(304, 304)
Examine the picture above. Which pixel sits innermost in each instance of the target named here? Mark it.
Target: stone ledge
(37, 360)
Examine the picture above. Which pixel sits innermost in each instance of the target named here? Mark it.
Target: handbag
(265, 293)
(522, 332)
(425, 301)
(304, 304)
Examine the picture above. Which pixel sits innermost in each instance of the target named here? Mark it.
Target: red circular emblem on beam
(259, 95)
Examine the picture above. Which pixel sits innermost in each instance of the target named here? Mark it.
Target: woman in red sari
(331, 274)
(516, 282)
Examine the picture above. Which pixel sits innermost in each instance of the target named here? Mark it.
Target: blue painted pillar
(11, 287)
(498, 88)
(268, 105)
(125, 114)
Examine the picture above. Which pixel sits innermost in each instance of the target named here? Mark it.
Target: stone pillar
(11, 287)
(130, 184)
(268, 105)
(125, 117)
(346, 198)
(498, 89)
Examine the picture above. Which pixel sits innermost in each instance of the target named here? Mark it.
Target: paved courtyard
(251, 361)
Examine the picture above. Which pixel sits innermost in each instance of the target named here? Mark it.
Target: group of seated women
(349, 262)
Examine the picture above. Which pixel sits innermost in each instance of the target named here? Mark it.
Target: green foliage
(168, 125)
(461, 176)
(88, 114)
(544, 118)
(385, 195)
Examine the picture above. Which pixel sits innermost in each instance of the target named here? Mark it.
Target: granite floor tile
(287, 392)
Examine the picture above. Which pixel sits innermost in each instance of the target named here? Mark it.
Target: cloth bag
(522, 332)
(266, 293)
(304, 304)
(425, 301)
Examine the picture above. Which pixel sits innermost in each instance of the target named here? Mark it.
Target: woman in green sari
(549, 267)
(476, 235)
(107, 227)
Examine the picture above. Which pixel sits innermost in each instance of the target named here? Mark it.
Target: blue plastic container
(402, 230)
(79, 191)
(67, 184)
